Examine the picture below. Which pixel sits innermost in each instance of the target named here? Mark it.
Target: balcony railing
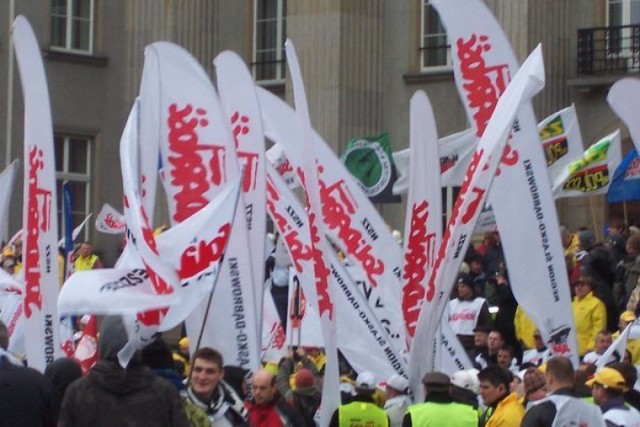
(609, 50)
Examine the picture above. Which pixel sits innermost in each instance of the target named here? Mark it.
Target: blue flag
(625, 186)
(67, 216)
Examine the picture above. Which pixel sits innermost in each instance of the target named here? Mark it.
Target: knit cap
(534, 380)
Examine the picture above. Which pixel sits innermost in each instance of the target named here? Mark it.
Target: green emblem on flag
(369, 160)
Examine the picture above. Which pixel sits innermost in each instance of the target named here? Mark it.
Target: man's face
(598, 393)
(582, 290)
(504, 358)
(495, 341)
(464, 291)
(205, 376)
(480, 339)
(490, 393)
(602, 343)
(475, 267)
(85, 250)
(263, 389)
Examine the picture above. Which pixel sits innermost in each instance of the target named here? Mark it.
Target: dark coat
(112, 396)
(25, 397)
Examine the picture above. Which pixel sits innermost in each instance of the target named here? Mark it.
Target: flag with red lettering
(86, 352)
(12, 315)
(483, 64)
(423, 226)
(309, 178)
(274, 342)
(278, 158)
(352, 222)
(455, 152)
(110, 221)
(240, 104)
(40, 249)
(198, 161)
(7, 178)
(624, 99)
(561, 139)
(365, 343)
(480, 174)
(592, 172)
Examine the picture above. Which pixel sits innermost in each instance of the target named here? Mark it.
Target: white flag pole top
(348, 214)
(76, 231)
(481, 172)
(240, 104)
(309, 177)
(423, 227)
(365, 343)
(483, 64)
(40, 248)
(624, 99)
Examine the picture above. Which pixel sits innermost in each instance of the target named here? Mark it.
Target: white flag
(39, 212)
(7, 179)
(561, 139)
(624, 99)
(481, 172)
(110, 221)
(521, 198)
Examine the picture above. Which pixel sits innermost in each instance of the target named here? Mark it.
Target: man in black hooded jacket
(114, 396)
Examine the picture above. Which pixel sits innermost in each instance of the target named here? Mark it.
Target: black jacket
(25, 397)
(112, 396)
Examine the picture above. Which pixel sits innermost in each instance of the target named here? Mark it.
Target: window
(73, 164)
(72, 25)
(269, 34)
(435, 51)
(623, 41)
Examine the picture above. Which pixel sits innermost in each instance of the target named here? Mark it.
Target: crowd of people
(516, 379)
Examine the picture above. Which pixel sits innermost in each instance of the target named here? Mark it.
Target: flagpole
(624, 212)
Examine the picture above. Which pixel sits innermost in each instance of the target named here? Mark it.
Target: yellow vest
(85, 263)
(357, 414)
(524, 328)
(432, 414)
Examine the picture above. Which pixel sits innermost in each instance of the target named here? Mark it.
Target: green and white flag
(592, 173)
(370, 161)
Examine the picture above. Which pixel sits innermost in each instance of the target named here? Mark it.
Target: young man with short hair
(562, 406)
(209, 393)
(608, 387)
(503, 408)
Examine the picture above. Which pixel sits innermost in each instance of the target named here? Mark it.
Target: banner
(199, 160)
(591, 174)
(239, 102)
(521, 197)
(280, 162)
(625, 185)
(86, 352)
(12, 315)
(7, 179)
(39, 220)
(110, 221)
(366, 342)
(455, 153)
(480, 174)
(369, 160)
(561, 139)
(624, 99)
(352, 223)
(423, 225)
(274, 342)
